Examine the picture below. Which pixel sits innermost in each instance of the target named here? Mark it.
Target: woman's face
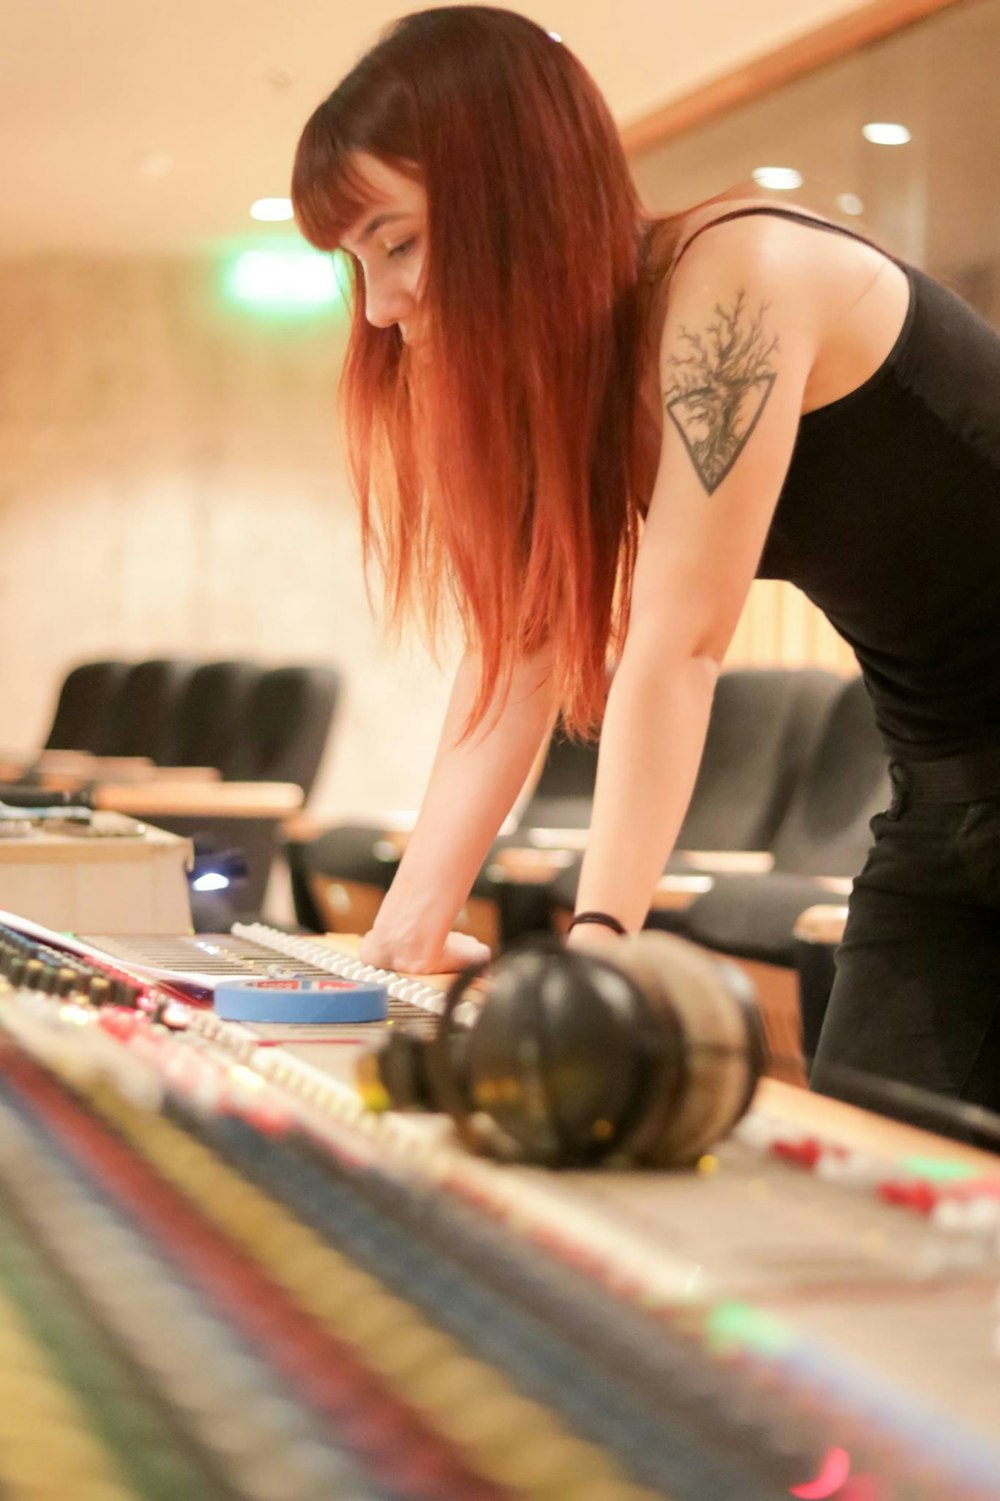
(389, 242)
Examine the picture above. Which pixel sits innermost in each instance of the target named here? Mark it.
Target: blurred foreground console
(220, 1275)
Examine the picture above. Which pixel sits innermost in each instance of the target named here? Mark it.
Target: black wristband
(604, 918)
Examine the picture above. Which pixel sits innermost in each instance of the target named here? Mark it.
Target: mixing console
(220, 1276)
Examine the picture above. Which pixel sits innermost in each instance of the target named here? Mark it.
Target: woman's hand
(456, 952)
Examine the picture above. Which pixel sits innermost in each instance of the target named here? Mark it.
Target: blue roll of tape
(313, 1003)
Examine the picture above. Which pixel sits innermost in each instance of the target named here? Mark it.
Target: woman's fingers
(457, 951)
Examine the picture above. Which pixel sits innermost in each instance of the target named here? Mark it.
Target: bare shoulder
(840, 298)
(764, 246)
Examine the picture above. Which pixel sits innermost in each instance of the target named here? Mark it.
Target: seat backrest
(570, 768)
(210, 713)
(564, 791)
(84, 704)
(764, 726)
(141, 720)
(286, 725)
(846, 781)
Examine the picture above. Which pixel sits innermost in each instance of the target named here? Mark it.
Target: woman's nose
(385, 306)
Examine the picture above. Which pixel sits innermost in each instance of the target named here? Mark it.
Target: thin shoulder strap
(778, 213)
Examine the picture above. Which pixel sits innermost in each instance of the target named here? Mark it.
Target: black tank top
(889, 521)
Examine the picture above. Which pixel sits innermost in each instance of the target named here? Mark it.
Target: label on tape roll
(314, 1003)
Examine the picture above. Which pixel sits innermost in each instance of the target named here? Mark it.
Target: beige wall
(170, 482)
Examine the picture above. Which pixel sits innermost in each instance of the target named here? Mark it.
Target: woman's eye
(402, 248)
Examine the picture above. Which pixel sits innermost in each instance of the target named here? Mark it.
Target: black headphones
(652, 1053)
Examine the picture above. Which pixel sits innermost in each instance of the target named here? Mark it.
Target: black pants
(916, 996)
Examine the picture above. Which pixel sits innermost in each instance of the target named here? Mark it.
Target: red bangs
(329, 193)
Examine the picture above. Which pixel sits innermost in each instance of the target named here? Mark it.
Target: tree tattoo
(719, 389)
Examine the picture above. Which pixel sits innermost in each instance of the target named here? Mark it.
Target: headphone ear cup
(557, 1055)
(709, 1007)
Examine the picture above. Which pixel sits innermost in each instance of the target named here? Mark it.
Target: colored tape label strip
(313, 1003)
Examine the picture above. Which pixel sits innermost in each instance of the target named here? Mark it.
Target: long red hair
(506, 470)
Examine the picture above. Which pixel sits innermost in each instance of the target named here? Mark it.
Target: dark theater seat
(824, 837)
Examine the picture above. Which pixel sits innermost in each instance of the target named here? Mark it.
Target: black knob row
(28, 965)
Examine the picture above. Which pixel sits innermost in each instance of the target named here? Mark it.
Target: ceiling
(149, 126)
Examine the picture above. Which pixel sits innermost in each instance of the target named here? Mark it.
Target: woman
(589, 429)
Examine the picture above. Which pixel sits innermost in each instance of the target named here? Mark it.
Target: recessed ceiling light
(271, 210)
(783, 178)
(850, 203)
(882, 133)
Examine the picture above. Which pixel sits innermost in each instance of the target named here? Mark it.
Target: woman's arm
(472, 787)
(739, 341)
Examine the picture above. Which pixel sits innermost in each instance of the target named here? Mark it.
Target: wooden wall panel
(780, 628)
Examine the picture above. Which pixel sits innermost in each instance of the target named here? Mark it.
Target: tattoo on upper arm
(720, 387)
